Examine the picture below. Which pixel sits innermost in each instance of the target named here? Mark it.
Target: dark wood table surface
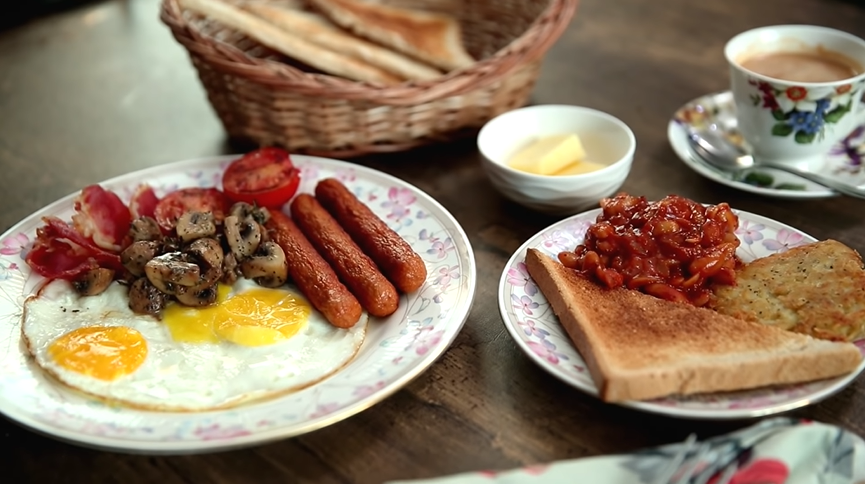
(103, 89)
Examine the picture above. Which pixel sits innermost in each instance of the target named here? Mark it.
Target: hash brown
(816, 289)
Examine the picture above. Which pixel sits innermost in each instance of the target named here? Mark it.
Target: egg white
(179, 376)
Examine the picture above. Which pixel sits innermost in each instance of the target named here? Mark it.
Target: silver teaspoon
(724, 155)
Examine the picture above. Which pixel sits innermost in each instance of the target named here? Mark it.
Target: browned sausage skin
(393, 255)
(312, 274)
(374, 292)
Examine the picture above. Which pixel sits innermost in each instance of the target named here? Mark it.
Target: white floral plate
(845, 161)
(536, 329)
(396, 350)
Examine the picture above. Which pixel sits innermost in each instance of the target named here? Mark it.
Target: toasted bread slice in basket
(430, 37)
(318, 30)
(639, 347)
(291, 45)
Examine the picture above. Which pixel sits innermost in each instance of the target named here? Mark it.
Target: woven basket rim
(535, 41)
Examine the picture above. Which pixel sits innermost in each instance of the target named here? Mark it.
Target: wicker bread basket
(264, 97)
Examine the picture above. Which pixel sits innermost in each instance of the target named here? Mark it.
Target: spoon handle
(838, 186)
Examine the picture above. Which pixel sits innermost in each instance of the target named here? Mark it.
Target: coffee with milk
(814, 66)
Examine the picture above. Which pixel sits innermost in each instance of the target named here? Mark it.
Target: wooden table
(103, 89)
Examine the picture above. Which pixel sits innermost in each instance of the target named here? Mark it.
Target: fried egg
(253, 343)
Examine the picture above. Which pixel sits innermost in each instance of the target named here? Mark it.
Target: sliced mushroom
(207, 253)
(93, 282)
(261, 215)
(241, 210)
(268, 266)
(195, 225)
(144, 228)
(244, 210)
(243, 235)
(145, 298)
(230, 269)
(170, 244)
(138, 254)
(196, 296)
(169, 271)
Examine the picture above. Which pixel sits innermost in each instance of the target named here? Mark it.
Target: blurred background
(31, 9)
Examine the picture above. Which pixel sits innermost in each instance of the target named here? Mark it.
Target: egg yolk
(194, 325)
(103, 352)
(255, 317)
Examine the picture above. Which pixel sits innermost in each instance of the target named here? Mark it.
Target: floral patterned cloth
(773, 451)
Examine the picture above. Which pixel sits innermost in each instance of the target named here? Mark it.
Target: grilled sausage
(374, 292)
(312, 274)
(393, 255)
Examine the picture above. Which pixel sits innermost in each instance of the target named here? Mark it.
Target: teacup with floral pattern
(791, 121)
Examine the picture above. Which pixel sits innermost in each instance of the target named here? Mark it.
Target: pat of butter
(580, 168)
(549, 155)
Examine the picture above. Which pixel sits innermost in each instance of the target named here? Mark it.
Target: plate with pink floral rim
(396, 349)
(845, 161)
(536, 329)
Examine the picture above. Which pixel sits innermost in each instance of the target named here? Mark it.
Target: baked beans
(674, 249)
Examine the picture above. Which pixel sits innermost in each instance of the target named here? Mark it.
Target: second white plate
(530, 320)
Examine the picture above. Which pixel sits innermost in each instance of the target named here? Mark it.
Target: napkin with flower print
(773, 451)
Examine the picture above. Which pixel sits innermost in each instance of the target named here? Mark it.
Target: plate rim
(839, 384)
(182, 447)
(676, 137)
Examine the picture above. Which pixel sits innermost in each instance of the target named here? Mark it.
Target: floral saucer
(846, 160)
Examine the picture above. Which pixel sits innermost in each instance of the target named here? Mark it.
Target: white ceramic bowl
(604, 137)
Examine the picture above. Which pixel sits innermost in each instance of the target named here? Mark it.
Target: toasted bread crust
(291, 45)
(639, 347)
(789, 290)
(427, 36)
(319, 30)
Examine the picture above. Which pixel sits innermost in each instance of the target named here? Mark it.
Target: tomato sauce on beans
(674, 249)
